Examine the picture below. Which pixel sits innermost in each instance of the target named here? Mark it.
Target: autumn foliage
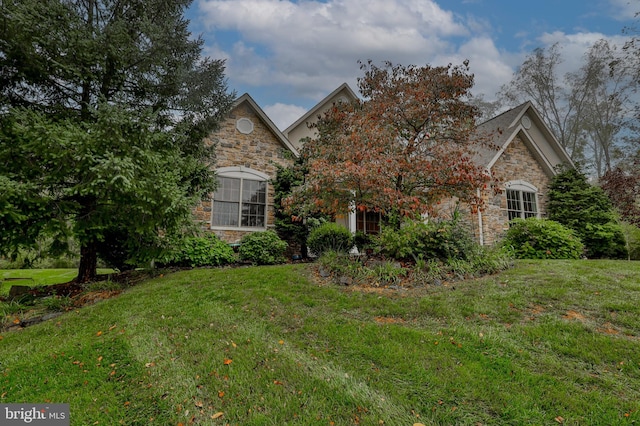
(623, 189)
(407, 146)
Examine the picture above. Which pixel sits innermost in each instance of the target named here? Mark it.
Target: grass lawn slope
(547, 342)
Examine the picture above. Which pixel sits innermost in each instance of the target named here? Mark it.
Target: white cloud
(317, 44)
(624, 9)
(309, 47)
(284, 115)
(487, 64)
(575, 46)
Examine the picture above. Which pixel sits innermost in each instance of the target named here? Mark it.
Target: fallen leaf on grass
(217, 415)
(99, 333)
(227, 361)
(220, 394)
(278, 382)
(559, 419)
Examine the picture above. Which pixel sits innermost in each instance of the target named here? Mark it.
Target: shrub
(362, 241)
(262, 248)
(330, 237)
(585, 208)
(386, 273)
(207, 250)
(341, 264)
(414, 240)
(632, 235)
(534, 238)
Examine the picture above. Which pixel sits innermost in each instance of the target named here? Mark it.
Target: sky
(289, 54)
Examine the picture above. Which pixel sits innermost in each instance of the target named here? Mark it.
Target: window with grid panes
(368, 222)
(521, 204)
(239, 202)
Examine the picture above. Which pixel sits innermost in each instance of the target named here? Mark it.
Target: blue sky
(290, 54)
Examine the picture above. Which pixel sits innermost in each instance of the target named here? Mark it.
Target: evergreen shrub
(330, 236)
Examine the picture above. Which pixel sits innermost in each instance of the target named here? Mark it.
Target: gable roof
(267, 122)
(311, 116)
(524, 121)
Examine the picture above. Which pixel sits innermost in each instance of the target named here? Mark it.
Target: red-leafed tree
(623, 189)
(403, 149)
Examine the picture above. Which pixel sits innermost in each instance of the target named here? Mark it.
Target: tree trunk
(88, 269)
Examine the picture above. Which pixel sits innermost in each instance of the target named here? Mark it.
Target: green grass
(37, 277)
(542, 343)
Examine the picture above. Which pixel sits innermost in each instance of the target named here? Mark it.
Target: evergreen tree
(585, 208)
(104, 106)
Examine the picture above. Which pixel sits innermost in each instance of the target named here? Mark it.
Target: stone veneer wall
(516, 163)
(260, 150)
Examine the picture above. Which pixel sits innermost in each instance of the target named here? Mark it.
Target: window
(240, 199)
(368, 222)
(521, 201)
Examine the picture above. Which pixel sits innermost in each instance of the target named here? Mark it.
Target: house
(301, 128)
(250, 146)
(525, 162)
(249, 149)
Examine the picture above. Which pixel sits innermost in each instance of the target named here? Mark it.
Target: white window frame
(242, 173)
(521, 188)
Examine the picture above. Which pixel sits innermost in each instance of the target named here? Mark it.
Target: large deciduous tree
(588, 110)
(403, 149)
(104, 106)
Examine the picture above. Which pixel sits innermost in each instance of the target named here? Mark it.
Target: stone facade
(516, 163)
(260, 150)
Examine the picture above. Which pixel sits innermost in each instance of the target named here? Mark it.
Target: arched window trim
(244, 175)
(521, 185)
(522, 200)
(242, 172)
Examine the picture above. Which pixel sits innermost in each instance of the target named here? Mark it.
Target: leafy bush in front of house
(207, 250)
(534, 238)
(414, 240)
(330, 237)
(262, 248)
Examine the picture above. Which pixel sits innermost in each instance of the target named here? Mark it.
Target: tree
(537, 80)
(585, 208)
(103, 110)
(605, 84)
(623, 189)
(587, 110)
(402, 150)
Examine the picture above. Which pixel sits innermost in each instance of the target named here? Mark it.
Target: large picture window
(239, 201)
(521, 201)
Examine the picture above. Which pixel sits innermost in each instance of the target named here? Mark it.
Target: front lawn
(547, 342)
(37, 277)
